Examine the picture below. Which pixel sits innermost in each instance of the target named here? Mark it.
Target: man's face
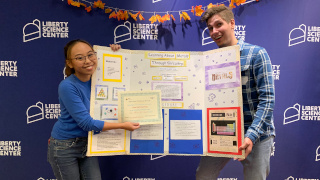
(220, 31)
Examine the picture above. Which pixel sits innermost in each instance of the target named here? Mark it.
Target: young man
(258, 101)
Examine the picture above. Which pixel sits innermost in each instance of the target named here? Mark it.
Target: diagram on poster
(187, 103)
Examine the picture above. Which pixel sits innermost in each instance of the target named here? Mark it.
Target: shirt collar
(241, 44)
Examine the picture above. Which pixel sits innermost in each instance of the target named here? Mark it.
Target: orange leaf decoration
(192, 10)
(82, 4)
(98, 4)
(172, 17)
(153, 19)
(141, 17)
(134, 16)
(74, 3)
(199, 10)
(125, 16)
(231, 5)
(185, 16)
(113, 15)
(108, 11)
(88, 9)
(119, 14)
(166, 17)
(159, 18)
(210, 6)
(238, 2)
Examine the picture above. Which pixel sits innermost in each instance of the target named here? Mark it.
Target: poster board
(201, 100)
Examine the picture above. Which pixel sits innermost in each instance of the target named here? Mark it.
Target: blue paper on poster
(147, 145)
(185, 131)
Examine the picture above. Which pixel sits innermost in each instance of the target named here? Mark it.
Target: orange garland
(125, 14)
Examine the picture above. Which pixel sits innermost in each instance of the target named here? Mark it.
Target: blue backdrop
(32, 65)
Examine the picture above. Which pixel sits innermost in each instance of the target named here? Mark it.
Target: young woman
(68, 142)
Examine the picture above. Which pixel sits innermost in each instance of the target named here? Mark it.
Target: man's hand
(115, 47)
(247, 146)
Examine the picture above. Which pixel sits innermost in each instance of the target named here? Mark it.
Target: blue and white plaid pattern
(257, 91)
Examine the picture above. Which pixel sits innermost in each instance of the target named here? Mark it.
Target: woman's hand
(130, 126)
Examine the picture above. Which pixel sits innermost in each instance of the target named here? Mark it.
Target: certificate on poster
(225, 131)
(143, 107)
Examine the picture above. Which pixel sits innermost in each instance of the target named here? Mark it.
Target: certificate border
(123, 94)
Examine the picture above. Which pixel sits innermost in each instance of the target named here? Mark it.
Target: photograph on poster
(109, 112)
(101, 92)
(115, 92)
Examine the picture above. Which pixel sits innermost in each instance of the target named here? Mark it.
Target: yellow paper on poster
(114, 142)
(112, 68)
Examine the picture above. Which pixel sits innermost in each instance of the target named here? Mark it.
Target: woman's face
(83, 60)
